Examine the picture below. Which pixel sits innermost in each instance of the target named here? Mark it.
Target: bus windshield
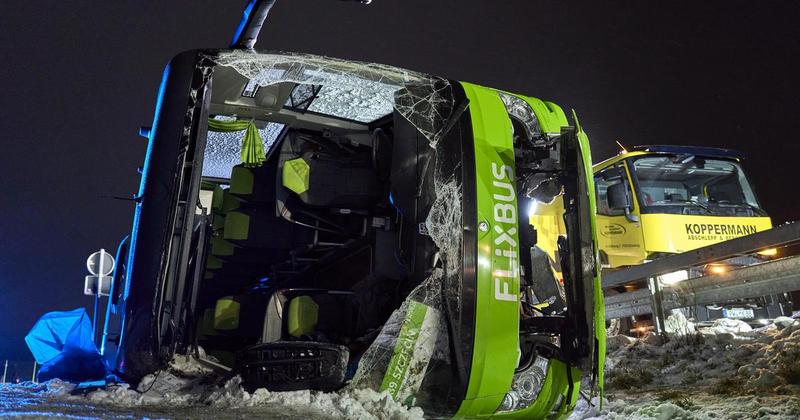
(689, 184)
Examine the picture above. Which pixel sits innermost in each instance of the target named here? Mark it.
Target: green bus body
(492, 333)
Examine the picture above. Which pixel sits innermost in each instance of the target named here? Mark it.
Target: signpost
(100, 264)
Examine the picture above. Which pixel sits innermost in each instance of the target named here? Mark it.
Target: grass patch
(789, 367)
(727, 386)
(627, 378)
(679, 398)
(692, 378)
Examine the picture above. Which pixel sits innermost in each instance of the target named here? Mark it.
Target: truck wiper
(755, 209)
(698, 204)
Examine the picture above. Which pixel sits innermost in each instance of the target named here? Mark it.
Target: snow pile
(677, 325)
(727, 326)
(775, 363)
(351, 404)
(188, 384)
(727, 370)
(728, 350)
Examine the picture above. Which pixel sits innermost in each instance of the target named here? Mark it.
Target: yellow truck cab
(656, 200)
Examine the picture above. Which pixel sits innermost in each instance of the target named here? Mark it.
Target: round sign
(100, 260)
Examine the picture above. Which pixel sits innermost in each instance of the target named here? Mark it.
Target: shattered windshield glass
(362, 105)
(353, 90)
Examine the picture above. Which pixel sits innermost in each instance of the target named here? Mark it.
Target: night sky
(80, 77)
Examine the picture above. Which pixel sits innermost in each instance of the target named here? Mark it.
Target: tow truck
(319, 223)
(659, 200)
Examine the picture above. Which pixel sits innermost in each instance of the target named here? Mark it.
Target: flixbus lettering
(505, 217)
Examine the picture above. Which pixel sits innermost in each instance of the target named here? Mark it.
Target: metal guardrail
(779, 276)
(780, 236)
(769, 278)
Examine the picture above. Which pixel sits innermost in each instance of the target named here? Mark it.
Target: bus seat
(325, 178)
(255, 185)
(221, 248)
(326, 182)
(259, 227)
(217, 198)
(226, 314)
(302, 317)
(213, 263)
(230, 252)
(240, 316)
(312, 312)
(229, 202)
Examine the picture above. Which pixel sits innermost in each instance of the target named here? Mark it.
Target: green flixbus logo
(506, 262)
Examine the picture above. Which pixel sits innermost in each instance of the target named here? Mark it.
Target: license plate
(738, 313)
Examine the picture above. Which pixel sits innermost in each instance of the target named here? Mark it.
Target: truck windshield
(689, 184)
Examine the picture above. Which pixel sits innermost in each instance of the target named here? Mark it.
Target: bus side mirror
(618, 198)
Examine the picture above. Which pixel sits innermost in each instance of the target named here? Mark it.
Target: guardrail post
(5, 370)
(658, 307)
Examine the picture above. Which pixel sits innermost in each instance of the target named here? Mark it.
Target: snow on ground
(726, 371)
(189, 389)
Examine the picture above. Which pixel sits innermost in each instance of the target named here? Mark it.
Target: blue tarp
(63, 343)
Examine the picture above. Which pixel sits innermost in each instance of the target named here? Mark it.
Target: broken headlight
(525, 386)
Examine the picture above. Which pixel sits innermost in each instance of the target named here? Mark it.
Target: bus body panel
(145, 347)
(497, 306)
(139, 343)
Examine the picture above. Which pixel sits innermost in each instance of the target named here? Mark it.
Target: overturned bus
(316, 223)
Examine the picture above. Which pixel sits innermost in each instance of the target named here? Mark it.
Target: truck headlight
(712, 269)
(769, 252)
(525, 386)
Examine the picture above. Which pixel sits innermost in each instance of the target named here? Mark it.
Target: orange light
(770, 252)
(717, 269)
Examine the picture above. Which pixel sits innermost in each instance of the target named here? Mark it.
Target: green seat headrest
(237, 226)
(219, 222)
(303, 316)
(216, 198)
(229, 202)
(296, 174)
(221, 247)
(242, 180)
(213, 263)
(226, 314)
